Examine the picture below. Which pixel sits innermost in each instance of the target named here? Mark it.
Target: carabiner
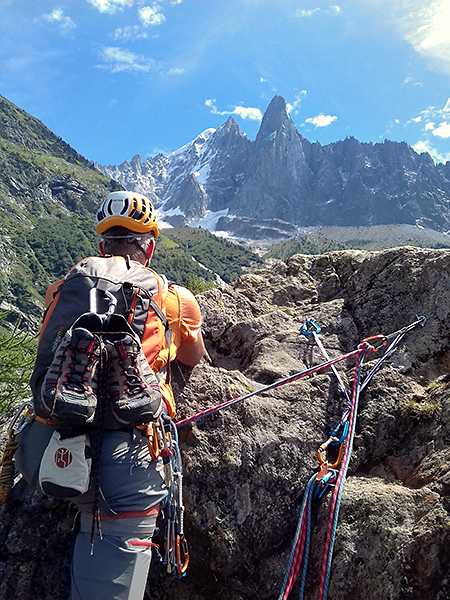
(379, 337)
(152, 441)
(309, 327)
(27, 405)
(323, 448)
(328, 479)
(323, 471)
(182, 561)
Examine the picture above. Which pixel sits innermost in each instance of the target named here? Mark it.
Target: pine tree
(17, 356)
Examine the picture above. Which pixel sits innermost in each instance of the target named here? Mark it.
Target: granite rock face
(246, 467)
(245, 185)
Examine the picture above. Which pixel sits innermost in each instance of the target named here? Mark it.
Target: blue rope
(341, 487)
(306, 494)
(307, 544)
(332, 475)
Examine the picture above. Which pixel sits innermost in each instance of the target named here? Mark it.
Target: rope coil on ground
(7, 462)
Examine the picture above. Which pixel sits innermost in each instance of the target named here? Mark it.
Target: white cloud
(430, 130)
(110, 6)
(426, 25)
(118, 60)
(321, 120)
(432, 114)
(254, 114)
(129, 32)
(306, 12)
(442, 131)
(332, 9)
(151, 15)
(424, 146)
(57, 16)
(292, 108)
(411, 81)
(175, 71)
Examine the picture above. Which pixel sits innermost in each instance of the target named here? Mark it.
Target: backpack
(103, 285)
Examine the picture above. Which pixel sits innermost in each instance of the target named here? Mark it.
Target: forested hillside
(48, 195)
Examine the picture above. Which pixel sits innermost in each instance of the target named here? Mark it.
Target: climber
(113, 561)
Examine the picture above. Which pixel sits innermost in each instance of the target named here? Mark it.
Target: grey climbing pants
(119, 565)
(130, 484)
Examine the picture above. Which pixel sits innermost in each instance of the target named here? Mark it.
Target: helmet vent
(125, 206)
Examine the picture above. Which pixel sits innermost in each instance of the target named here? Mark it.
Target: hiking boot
(133, 392)
(69, 391)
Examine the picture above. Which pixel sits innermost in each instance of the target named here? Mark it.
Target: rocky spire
(275, 118)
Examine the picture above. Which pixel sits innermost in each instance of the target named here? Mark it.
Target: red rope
(339, 479)
(297, 561)
(272, 386)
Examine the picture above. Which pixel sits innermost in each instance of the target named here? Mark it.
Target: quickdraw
(328, 475)
(176, 550)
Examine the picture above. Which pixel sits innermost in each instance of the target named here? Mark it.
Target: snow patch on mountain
(281, 181)
(209, 221)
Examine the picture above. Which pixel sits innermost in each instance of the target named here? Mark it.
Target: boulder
(246, 467)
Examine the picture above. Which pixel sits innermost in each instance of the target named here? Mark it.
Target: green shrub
(17, 356)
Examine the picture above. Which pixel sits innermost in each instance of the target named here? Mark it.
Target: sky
(116, 78)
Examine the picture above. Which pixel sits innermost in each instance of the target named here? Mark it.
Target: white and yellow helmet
(127, 209)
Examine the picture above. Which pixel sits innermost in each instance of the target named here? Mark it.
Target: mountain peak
(277, 111)
(277, 106)
(231, 125)
(275, 117)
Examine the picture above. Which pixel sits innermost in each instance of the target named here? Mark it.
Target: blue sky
(115, 78)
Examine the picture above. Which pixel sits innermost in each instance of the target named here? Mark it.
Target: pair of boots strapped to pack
(70, 393)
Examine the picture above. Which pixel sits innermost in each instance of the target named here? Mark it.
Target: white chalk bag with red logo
(66, 466)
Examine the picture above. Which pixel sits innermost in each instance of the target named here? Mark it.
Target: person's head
(127, 223)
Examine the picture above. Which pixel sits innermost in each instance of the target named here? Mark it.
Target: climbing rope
(327, 474)
(7, 462)
(300, 552)
(342, 434)
(272, 386)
